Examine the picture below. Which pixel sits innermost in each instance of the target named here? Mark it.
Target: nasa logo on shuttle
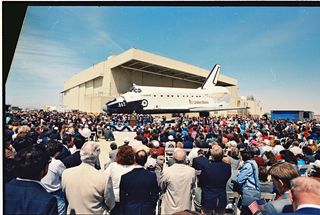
(144, 103)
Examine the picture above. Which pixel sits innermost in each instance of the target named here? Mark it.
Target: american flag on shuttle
(256, 206)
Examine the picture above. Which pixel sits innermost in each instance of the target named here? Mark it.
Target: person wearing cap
(139, 190)
(177, 181)
(248, 180)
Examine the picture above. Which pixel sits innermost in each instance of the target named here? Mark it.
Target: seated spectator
(25, 194)
(156, 148)
(314, 170)
(265, 185)
(308, 155)
(270, 158)
(282, 174)
(112, 154)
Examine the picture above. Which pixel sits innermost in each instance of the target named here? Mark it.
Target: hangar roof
(138, 60)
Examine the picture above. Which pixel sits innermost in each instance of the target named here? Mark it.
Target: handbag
(236, 187)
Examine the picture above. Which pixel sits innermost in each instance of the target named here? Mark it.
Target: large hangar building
(90, 89)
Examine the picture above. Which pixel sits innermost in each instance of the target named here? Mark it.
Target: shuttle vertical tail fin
(212, 78)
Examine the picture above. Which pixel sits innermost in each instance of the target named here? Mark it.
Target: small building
(295, 115)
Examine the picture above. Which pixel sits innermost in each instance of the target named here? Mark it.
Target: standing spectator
(67, 143)
(139, 189)
(281, 173)
(88, 190)
(52, 181)
(112, 154)
(214, 177)
(177, 181)
(248, 179)
(124, 163)
(108, 134)
(25, 194)
(74, 159)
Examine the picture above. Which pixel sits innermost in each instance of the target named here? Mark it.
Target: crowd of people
(189, 165)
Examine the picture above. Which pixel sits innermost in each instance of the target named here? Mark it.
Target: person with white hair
(177, 182)
(305, 195)
(88, 190)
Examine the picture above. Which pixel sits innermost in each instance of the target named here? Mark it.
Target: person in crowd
(139, 190)
(234, 157)
(177, 181)
(112, 154)
(67, 144)
(124, 164)
(201, 161)
(277, 147)
(266, 186)
(74, 159)
(108, 134)
(25, 194)
(156, 148)
(306, 196)
(88, 191)
(248, 180)
(52, 181)
(270, 158)
(282, 174)
(214, 177)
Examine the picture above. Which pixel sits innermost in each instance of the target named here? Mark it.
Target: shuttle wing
(200, 109)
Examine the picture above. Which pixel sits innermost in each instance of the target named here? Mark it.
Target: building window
(168, 96)
(161, 95)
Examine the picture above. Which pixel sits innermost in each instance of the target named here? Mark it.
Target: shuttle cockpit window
(135, 90)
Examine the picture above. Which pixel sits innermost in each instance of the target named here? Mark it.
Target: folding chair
(268, 196)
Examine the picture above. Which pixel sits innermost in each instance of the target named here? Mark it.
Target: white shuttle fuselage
(149, 99)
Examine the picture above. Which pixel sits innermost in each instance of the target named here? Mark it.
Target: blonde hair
(217, 152)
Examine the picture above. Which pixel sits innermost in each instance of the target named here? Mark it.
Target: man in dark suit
(74, 159)
(139, 189)
(25, 194)
(214, 177)
(306, 196)
(67, 143)
(199, 162)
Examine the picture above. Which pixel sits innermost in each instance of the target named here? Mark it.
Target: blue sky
(273, 52)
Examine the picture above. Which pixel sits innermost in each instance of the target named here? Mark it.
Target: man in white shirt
(52, 181)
